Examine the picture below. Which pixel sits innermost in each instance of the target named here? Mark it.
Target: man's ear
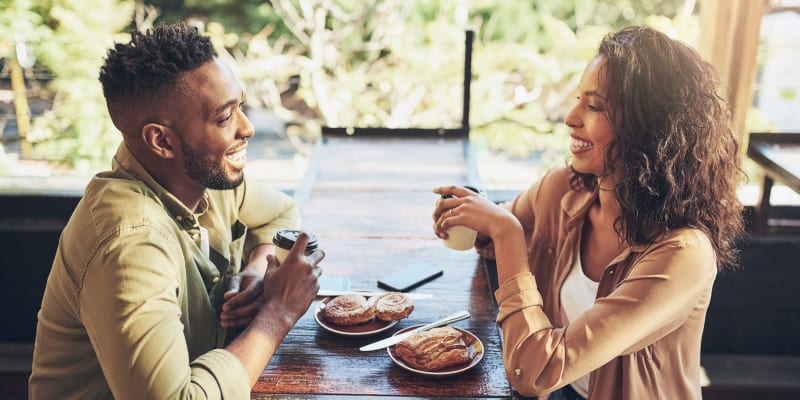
(158, 139)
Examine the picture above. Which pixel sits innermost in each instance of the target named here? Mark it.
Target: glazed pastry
(393, 306)
(349, 309)
(435, 349)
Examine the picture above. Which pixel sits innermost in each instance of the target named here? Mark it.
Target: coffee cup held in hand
(460, 237)
(284, 240)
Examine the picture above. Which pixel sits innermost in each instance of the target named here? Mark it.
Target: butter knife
(380, 344)
(412, 296)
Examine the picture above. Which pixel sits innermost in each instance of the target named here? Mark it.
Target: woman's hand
(471, 210)
(500, 233)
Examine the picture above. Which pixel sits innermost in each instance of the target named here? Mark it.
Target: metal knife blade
(412, 296)
(380, 344)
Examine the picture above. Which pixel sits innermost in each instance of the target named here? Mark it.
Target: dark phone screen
(409, 278)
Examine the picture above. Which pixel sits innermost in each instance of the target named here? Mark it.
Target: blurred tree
(399, 64)
(70, 38)
(346, 63)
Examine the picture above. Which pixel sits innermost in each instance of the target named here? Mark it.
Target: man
(146, 279)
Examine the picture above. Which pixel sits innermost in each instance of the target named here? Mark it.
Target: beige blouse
(640, 340)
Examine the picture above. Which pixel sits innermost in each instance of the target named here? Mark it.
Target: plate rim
(330, 328)
(475, 361)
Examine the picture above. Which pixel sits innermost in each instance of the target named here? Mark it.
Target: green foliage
(360, 63)
(76, 130)
(398, 64)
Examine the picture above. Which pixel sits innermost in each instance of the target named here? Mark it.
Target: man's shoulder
(113, 204)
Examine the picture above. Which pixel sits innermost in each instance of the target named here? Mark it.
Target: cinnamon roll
(349, 309)
(393, 306)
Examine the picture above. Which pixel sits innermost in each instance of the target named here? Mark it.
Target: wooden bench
(15, 368)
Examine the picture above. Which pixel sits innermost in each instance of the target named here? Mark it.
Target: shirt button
(611, 272)
(517, 372)
(215, 280)
(179, 218)
(195, 236)
(550, 251)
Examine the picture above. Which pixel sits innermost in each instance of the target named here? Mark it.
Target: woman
(606, 266)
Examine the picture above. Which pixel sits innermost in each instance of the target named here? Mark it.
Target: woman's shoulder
(552, 185)
(687, 237)
(560, 174)
(557, 177)
(687, 248)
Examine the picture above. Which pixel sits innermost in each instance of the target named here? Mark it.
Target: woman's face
(590, 126)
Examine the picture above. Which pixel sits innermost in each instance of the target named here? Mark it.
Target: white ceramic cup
(460, 237)
(284, 240)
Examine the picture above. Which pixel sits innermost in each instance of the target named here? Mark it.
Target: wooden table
(369, 202)
(778, 154)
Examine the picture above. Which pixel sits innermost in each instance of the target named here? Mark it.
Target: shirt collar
(576, 204)
(125, 160)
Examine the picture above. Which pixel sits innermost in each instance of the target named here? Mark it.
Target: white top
(577, 296)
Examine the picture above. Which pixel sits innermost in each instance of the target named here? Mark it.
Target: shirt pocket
(236, 247)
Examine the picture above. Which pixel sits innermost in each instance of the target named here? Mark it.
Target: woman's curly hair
(674, 145)
(151, 63)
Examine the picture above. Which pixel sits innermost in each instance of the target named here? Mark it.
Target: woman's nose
(572, 120)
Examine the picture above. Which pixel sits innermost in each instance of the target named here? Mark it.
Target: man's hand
(243, 299)
(287, 291)
(244, 296)
(293, 285)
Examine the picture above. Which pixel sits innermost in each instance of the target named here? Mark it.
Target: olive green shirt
(131, 306)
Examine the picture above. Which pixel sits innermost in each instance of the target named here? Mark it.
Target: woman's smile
(579, 146)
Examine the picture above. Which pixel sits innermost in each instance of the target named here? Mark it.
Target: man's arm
(288, 291)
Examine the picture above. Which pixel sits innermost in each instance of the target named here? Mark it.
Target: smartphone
(408, 278)
(334, 283)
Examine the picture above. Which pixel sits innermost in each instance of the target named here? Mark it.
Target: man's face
(209, 171)
(213, 128)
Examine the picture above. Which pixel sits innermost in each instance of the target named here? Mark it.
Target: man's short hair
(152, 63)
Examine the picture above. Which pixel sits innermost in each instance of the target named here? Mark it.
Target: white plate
(475, 348)
(365, 329)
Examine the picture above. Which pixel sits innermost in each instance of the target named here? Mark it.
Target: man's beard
(209, 173)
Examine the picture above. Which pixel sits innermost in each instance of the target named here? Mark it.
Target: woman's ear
(158, 139)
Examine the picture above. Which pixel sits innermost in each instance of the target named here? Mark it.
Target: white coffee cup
(284, 240)
(460, 237)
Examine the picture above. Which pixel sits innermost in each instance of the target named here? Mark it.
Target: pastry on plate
(393, 306)
(349, 309)
(435, 349)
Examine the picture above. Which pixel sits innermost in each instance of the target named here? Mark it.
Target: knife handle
(444, 321)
